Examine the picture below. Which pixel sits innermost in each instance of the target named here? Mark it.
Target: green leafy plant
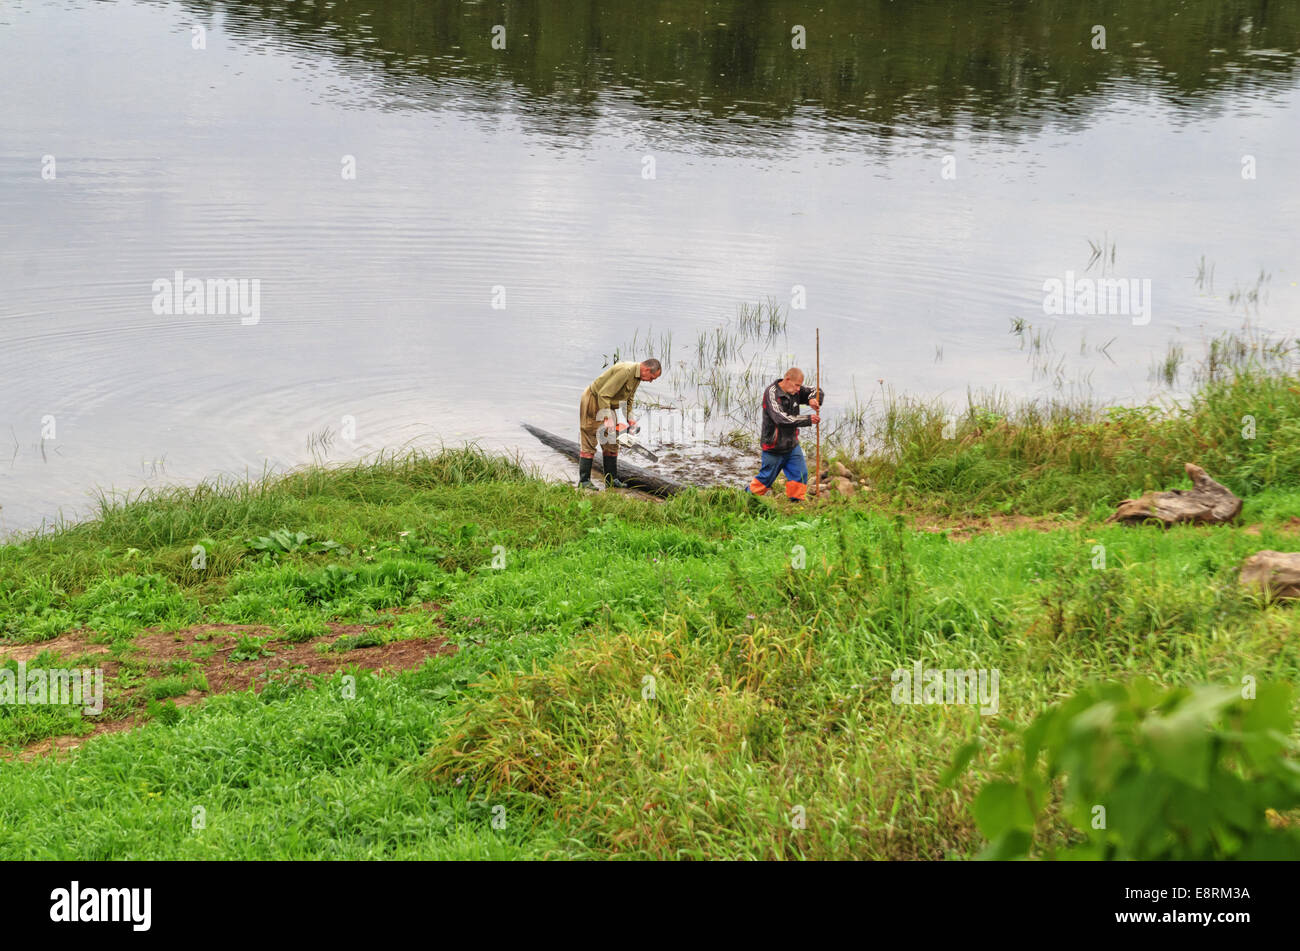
(250, 648)
(1182, 773)
(282, 541)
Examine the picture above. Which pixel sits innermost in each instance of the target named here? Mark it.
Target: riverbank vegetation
(707, 677)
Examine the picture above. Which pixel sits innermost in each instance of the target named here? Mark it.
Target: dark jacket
(781, 419)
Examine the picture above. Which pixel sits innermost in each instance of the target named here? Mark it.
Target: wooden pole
(817, 476)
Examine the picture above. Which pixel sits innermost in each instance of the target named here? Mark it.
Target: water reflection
(727, 73)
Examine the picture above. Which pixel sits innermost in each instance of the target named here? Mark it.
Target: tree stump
(1276, 573)
(1209, 503)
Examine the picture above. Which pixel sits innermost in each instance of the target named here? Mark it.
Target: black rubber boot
(584, 475)
(610, 464)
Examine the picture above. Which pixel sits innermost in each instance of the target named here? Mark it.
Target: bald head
(792, 380)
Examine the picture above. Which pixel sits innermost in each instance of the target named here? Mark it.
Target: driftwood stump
(1276, 573)
(1209, 503)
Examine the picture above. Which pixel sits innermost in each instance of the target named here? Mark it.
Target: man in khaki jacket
(597, 419)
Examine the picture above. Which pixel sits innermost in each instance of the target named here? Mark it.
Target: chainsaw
(627, 439)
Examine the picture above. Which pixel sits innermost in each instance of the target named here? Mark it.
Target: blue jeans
(792, 463)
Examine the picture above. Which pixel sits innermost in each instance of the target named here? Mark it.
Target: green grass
(708, 677)
(772, 683)
(301, 775)
(1243, 428)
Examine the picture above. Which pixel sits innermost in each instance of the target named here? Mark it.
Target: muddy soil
(210, 648)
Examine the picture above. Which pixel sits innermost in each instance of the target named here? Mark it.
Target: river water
(444, 238)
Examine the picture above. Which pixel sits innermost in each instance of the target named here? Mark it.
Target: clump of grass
(763, 319)
(250, 648)
(1070, 456)
(715, 744)
(740, 439)
(165, 712)
(174, 685)
(1248, 352)
(1249, 296)
(154, 534)
(1204, 275)
(659, 347)
(303, 628)
(334, 589)
(158, 517)
(1166, 370)
(119, 606)
(1102, 251)
(721, 715)
(348, 642)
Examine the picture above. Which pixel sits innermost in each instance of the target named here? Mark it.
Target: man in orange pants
(780, 437)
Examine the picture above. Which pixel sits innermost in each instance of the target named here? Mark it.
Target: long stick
(817, 479)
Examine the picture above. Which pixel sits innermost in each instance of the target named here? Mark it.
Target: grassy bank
(1074, 458)
(707, 677)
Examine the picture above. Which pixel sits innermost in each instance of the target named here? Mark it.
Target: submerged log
(1276, 573)
(1209, 503)
(636, 477)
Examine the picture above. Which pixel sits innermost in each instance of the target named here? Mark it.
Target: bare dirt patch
(224, 673)
(76, 644)
(1290, 527)
(213, 651)
(965, 528)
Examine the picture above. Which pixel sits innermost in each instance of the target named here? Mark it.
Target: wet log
(1208, 503)
(1276, 573)
(637, 478)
